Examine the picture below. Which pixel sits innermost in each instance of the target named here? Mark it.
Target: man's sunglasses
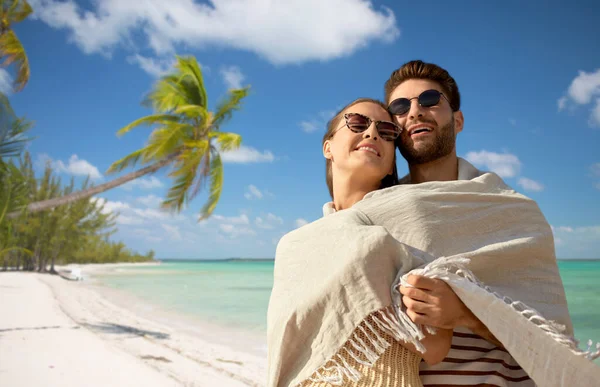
(428, 98)
(358, 123)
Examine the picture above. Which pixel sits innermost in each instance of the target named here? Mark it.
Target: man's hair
(418, 69)
(333, 125)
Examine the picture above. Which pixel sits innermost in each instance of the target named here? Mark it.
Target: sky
(529, 78)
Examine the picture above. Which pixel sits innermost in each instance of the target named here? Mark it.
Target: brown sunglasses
(359, 123)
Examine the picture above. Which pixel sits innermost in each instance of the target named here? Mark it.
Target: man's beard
(442, 146)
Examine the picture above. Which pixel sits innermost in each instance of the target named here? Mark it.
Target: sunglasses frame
(369, 122)
(440, 94)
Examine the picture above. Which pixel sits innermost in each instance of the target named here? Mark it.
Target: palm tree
(186, 137)
(11, 49)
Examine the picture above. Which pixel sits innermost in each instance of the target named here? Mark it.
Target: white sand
(55, 332)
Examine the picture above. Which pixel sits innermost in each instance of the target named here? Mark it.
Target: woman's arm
(437, 346)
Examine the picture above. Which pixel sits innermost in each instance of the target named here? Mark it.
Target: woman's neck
(348, 192)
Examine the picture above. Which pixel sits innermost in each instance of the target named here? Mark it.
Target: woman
(360, 158)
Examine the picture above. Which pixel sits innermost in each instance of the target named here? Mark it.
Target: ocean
(236, 293)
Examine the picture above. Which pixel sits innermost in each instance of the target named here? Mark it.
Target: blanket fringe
(442, 267)
(368, 349)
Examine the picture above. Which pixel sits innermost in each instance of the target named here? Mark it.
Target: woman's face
(365, 154)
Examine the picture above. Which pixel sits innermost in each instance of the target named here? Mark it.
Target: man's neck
(442, 169)
(348, 192)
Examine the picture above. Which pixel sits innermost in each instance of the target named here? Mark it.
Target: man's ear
(459, 122)
(327, 150)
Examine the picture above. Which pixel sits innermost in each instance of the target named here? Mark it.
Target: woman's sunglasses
(358, 123)
(428, 98)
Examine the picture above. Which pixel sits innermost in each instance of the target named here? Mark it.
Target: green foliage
(78, 232)
(11, 49)
(187, 135)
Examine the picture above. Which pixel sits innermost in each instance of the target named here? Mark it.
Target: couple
(425, 268)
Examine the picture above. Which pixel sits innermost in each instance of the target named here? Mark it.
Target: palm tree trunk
(56, 252)
(50, 203)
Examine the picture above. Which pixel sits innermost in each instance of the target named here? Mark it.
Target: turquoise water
(236, 293)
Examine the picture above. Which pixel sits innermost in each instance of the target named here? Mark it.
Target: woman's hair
(333, 124)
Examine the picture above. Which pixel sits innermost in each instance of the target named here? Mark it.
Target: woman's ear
(327, 150)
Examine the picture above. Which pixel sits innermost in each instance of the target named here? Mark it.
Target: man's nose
(416, 110)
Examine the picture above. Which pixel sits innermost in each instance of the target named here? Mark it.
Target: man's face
(429, 132)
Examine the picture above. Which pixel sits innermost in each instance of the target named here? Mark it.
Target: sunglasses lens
(357, 123)
(388, 131)
(399, 106)
(429, 98)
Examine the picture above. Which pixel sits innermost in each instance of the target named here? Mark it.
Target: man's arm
(433, 302)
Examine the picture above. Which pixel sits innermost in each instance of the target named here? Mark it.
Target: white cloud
(233, 77)
(156, 67)
(269, 222)
(110, 206)
(75, 166)
(301, 222)
(235, 231)
(150, 200)
(584, 86)
(172, 231)
(513, 122)
(145, 183)
(282, 32)
(130, 215)
(6, 86)
(318, 123)
(582, 91)
(253, 193)
(595, 168)
(595, 116)
(246, 155)
(562, 103)
(577, 242)
(504, 164)
(242, 219)
(530, 185)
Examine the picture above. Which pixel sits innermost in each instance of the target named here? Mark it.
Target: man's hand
(433, 302)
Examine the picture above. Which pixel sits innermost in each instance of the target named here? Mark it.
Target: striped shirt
(474, 361)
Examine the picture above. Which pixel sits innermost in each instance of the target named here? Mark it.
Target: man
(424, 100)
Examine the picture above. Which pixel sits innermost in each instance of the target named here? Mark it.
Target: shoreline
(181, 349)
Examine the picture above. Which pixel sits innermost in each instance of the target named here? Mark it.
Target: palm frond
(12, 51)
(227, 141)
(189, 73)
(167, 94)
(202, 176)
(154, 119)
(192, 111)
(12, 136)
(185, 173)
(165, 141)
(226, 108)
(130, 160)
(216, 186)
(18, 11)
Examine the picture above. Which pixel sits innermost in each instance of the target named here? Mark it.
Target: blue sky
(529, 77)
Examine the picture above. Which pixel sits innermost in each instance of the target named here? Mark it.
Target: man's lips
(419, 129)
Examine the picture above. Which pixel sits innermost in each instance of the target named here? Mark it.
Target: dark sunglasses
(428, 98)
(358, 123)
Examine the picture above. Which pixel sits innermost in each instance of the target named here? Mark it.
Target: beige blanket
(499, 259)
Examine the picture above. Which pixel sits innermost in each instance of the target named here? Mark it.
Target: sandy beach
(55, 332)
